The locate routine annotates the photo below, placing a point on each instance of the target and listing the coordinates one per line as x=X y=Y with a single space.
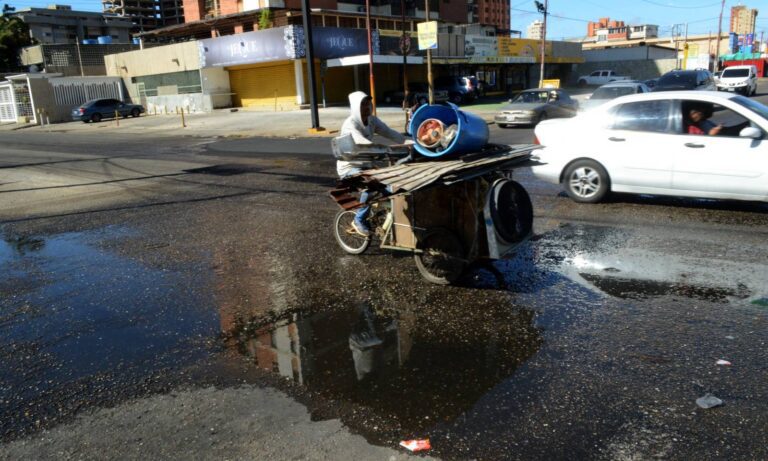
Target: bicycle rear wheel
x=346 y=236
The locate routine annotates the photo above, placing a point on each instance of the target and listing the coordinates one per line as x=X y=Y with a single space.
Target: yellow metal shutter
x=264 y=85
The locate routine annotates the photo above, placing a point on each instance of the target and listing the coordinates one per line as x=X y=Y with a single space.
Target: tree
x=14 y=34
x=265 y=19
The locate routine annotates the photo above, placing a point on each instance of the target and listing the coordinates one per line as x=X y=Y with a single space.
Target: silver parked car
x=532 y=106
x=612 y=91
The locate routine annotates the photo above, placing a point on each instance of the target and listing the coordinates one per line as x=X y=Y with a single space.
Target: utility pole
x=542 y=9
x=370 y=52
x=305 y=11
x=429 y=61
x=404 y=49
x=719 y=32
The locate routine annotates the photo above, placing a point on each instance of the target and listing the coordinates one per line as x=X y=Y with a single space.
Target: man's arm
x=382 y=129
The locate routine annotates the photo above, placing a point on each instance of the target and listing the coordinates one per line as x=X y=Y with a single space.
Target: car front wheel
x=96 y=118
x=586 y=181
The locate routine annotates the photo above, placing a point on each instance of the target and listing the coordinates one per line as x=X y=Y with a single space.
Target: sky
x=569 y=18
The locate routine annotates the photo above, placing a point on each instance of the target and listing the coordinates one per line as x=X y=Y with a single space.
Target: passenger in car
x=696 y=121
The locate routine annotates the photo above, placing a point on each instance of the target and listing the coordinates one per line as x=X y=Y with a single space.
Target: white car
x=640 y=144
x=739 y=79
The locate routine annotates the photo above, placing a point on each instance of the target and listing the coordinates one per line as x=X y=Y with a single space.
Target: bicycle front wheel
x=349 y=240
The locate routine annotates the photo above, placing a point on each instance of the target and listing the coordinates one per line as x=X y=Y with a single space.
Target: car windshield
x=678 y=79
x=754 y=106
x=612 y=92
x=531 y=96
x=727 y=73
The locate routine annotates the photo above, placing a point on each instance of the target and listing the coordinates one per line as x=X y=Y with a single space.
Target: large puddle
x=82 y=325
x=78 y=322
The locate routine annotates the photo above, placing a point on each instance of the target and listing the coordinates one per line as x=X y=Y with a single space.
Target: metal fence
x=70 y=93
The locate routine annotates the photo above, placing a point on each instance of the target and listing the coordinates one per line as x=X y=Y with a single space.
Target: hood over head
x=355 y=100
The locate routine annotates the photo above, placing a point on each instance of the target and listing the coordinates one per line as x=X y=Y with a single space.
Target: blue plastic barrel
x=472 y=133
x=104 y=40
x=89 y=41
x=136 y=41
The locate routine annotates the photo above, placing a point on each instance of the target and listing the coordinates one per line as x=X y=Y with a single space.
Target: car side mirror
x=751 y=132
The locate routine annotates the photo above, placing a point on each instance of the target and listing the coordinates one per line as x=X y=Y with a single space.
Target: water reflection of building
x=415 y=369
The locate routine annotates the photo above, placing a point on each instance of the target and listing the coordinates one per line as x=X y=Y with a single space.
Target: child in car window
x=697 y=121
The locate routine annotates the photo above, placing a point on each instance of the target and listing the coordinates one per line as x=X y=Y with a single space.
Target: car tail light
x=81 y=110
x=536 y=140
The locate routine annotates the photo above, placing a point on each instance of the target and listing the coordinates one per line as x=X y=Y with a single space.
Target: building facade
x=743 y=20
x=59 y=24
x=147 y=15
x=535 y=30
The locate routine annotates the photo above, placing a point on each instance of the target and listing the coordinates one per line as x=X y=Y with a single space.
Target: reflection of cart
x=447 y=213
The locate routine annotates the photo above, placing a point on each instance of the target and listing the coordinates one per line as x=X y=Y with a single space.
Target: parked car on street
x=530 y=107
x=97 y=109
x=418 y=92
x=600 y=77
x=651 y=82
x=739 y=79
x=642 y=144
x=612 y=91
x=677 y=80
x=459 y=89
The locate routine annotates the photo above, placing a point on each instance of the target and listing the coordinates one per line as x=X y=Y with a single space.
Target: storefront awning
x=377 y=59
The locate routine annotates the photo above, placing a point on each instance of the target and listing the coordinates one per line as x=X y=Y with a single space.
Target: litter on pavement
x=723 y=362
x=416 y=445
x=708 y=401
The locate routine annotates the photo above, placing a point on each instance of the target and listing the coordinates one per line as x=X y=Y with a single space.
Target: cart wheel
x=442 y=260
x=349 y=240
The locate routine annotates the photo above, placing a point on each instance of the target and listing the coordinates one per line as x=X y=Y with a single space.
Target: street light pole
x=719 y=32
x=305 y=11
x=542 y=9
x=370 y=52
x=429 y=61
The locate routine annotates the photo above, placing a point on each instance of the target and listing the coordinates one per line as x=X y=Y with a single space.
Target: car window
x=713 y=115
x=677 y=78
x=730 y=73
x=759 y=109
x=531 y=96
x=595 y=74
x=611 y=92
x=650 y=116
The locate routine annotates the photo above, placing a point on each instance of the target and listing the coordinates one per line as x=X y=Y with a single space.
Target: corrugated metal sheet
x=410 y=177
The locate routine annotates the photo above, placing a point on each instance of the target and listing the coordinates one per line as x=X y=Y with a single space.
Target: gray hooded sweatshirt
x=363 y=133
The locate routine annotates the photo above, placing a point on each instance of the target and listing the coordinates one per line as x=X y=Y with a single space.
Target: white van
x=742 y=79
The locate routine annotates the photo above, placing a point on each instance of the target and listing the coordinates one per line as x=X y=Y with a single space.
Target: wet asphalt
x=153 y=266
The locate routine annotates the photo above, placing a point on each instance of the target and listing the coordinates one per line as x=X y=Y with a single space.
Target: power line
x=681 y=7
x=552 y=14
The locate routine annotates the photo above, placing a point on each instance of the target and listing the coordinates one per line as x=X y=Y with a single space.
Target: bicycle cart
x=447 y=213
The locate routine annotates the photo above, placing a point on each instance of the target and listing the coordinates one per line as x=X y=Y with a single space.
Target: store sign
x=398 y=45
x=332 y=42
x=522 y=47
x=246 y=48
x=427 y=33
x=478 y=45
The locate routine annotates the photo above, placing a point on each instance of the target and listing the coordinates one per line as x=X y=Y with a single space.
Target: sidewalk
x=243 y=122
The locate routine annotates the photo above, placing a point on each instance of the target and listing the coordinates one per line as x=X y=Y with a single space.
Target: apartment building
x=61 y=24
x=743 y=20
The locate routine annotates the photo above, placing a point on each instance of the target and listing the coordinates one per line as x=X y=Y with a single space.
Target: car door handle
x=616 y=139
x=694 y=145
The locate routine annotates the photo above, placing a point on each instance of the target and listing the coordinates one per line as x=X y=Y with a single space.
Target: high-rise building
x=489 y=12
x=147 y=14
x=60 y=24
x=743 y=20
x=535 y=30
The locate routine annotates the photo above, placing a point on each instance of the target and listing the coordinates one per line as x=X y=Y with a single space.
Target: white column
x=299 y=73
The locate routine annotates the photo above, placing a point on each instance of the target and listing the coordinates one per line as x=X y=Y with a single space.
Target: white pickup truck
x=600 y=77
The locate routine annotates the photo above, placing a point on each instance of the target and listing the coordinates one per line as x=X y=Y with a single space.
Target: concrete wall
x=193 y=102
x=628 y=54
x=637 y=69
x=151 y=61
x=215 y=84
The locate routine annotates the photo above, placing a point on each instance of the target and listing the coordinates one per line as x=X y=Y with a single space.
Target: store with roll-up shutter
x=267 y=85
